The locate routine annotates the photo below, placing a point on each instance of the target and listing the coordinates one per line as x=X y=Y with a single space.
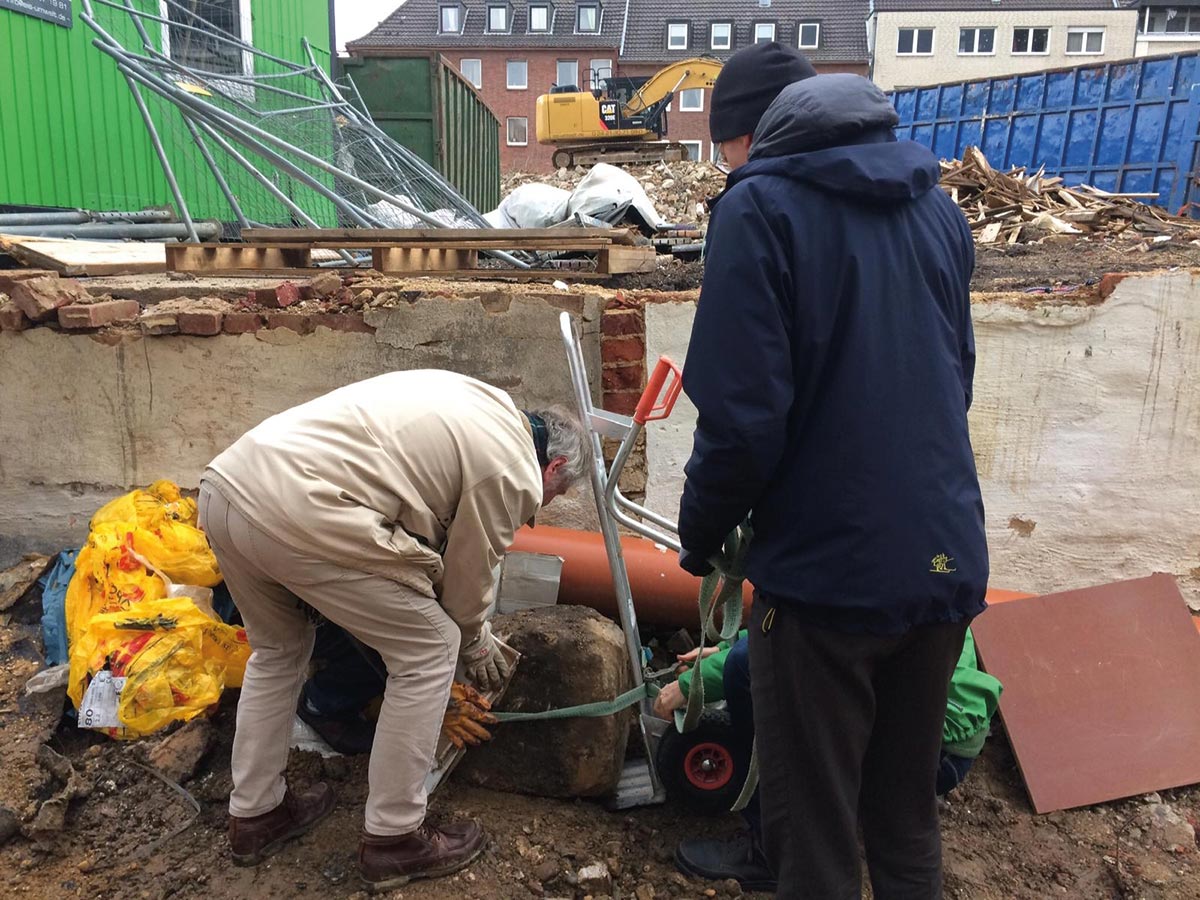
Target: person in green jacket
x=725 y=670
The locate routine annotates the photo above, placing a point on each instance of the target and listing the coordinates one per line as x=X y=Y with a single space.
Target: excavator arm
x=698 y=72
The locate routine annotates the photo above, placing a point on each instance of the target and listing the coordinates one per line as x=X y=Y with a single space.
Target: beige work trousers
x=417 y=640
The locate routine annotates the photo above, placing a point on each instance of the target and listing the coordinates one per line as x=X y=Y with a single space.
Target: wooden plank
x=226 y=257
x=405 y=260
x=353 y=237
x=69 y=256
x=624 y=260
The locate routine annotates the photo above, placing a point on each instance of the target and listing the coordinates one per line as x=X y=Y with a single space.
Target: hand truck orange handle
x=657 y=402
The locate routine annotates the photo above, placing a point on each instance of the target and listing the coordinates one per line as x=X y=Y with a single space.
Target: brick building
x=515 y=51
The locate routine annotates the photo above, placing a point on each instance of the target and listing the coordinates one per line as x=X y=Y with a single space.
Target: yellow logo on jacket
x=941 y=564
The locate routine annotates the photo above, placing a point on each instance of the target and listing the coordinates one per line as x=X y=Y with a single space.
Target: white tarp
x=606 y=192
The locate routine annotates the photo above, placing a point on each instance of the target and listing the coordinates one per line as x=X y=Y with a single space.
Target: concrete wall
x=945 y=64
x=82 y=420
x=1086 y=428
x=1162 y=44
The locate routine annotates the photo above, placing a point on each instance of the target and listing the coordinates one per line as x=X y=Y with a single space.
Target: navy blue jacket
x=831 y=364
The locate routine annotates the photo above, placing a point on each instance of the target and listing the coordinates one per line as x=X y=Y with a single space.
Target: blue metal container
x=1124 y=127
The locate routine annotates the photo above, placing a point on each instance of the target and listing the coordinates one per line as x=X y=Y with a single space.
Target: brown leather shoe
x=393 y=861
x=253 y=838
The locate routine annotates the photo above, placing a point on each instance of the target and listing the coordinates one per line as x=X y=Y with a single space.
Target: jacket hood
x=835 y=132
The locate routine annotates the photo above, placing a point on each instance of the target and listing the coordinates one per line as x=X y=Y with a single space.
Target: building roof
x=994 y=5
x=843 y=32
x=415 y=24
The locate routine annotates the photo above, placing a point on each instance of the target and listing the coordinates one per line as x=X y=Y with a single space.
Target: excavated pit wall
x=86 y=417
x=1085 y=424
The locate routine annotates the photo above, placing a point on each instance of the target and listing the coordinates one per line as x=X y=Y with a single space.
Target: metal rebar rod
x=45 y=218
x=230 y=197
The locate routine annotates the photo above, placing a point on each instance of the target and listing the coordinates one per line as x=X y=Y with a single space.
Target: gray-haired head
x=566 y=437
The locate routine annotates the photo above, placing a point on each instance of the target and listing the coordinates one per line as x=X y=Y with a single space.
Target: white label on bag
x=99 y=706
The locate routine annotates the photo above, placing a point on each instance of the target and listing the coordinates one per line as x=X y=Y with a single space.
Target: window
x=451 y=21
x=915 y=42
x=810 y=35
x=691 y=100
x=497 y=19
x=601 y=73
x=517 y=71
x=720 y=36
x=472 y=70
x=587 y=18
x=1031 y=41
x=976 y=41
x=1087 y=41
x=195 y=49
x=1169 y=20
x=764 y=32
x=518 y=131
x=677 y=36
x=567 y=72
x=539 y=19
x=694 y=149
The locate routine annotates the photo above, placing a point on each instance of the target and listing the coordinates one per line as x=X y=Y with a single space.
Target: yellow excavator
x=599 y=125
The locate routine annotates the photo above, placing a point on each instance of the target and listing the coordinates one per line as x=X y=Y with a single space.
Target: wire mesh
x=276 y=141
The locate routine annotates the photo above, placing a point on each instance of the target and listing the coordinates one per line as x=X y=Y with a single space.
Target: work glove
x=483 y=661
x=694 y=563
x=466 y=715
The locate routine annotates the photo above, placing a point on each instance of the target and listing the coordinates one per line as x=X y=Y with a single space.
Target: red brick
x=630 y=349
x=97 y=315
x=278 y=297
x=624 y=378
x=202 y=322
x=40 y=297
x=1109 y=283
x=11 y=317
x=9 y=277
x=621 y=323
x=346 y=321
x=242 y=322
x=621 y=402
x=300 y=324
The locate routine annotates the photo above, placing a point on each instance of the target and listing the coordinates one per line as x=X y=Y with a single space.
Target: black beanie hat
x=749 y=82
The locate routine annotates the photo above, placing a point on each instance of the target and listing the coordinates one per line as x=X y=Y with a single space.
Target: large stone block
x=569 y=655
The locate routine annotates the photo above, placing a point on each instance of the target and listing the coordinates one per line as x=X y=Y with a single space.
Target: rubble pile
x=1019 y=207
x=677 y=190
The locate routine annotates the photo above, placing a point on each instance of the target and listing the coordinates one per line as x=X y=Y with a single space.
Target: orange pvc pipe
x=663 y=593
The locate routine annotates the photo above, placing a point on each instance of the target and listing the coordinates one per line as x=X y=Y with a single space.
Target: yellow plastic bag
x=139 y=608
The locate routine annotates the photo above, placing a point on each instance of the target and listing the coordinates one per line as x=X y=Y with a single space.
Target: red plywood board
x=1099 y=694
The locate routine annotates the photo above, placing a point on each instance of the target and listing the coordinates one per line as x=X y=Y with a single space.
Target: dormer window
x=764 y=32
x=450 y=19
x=587 y=18
x=810 y=35
x=720 y=36
x=539 y=19
x=499 y=20
x=677 y=35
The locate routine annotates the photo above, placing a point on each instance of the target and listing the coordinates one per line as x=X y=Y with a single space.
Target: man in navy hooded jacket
x=831 y=364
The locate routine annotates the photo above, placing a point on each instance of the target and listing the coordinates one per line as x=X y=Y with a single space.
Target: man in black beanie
x=836 y=303
x=747 y=85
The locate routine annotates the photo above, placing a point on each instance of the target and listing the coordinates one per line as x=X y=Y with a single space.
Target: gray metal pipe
x=81 y=216
x=116 y=231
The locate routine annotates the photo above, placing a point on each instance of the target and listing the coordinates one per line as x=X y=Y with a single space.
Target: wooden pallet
x=409 y=251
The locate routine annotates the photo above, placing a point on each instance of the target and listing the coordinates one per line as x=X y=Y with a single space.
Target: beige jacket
x=422 y=477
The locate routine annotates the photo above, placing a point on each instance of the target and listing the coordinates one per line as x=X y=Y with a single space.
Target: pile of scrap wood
x=1019 y=207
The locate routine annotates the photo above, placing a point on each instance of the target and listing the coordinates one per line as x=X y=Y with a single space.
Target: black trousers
x=849 y=730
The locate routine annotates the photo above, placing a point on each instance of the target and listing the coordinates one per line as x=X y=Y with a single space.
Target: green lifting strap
x=595 y=710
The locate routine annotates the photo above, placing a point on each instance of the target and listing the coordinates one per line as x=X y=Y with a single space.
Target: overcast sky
x=354 y=18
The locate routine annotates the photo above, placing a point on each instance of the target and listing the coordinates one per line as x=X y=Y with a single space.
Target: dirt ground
x=129 y=834
x=1020 y=267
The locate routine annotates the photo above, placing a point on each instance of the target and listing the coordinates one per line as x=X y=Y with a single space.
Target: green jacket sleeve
x=712 y=670
x=972 y=701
